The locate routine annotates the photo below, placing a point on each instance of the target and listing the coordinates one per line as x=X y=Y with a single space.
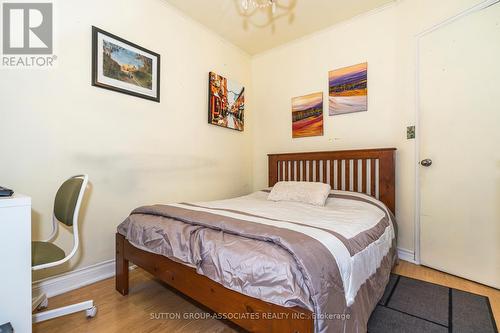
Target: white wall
x=54 y=124
x=385 y=39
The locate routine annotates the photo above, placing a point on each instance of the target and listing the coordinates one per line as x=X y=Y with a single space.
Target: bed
x=278 y=266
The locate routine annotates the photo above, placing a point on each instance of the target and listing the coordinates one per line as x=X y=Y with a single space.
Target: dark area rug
x=410 y=305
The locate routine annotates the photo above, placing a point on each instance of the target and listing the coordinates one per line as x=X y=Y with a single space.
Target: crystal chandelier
x=259 y=4
x=255 y=13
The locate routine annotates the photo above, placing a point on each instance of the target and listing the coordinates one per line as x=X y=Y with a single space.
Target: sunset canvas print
x=307 y=115
x=348 y=90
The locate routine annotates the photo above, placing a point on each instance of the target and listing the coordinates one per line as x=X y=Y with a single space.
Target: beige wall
x=54 y=124
x=385 y=39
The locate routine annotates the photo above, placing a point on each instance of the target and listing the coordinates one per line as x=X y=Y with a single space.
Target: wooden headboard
x=370 y=171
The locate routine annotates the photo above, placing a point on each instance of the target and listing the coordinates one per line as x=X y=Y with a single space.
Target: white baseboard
x=406 y=255
x=59 y=284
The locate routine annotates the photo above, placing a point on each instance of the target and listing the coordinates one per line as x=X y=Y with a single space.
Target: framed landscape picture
x=307 y=115
x=348 y=89
x=125 y=67
x=226 y=102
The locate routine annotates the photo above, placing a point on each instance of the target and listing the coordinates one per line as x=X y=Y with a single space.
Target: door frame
x=478 y=7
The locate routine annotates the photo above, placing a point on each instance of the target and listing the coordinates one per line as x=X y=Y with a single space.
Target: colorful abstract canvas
x=226 y=103
x=348 y=89
x=307 y=115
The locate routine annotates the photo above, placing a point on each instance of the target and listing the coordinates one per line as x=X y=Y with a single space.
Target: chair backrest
x=66 y=200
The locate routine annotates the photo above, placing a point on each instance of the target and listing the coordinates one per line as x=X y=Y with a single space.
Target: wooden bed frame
x=371 y=171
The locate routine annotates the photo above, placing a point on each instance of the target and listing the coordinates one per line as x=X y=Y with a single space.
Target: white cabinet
x=15 y=262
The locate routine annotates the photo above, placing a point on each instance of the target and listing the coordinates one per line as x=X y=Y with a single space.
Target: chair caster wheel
x=91 y=312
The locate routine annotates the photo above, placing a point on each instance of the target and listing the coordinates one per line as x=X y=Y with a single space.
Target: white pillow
x=306 y=192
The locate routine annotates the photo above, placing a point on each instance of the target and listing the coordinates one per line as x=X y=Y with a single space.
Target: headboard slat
x=332 y=175
x=347 y=174
x=363 y=175
x=372 y=177
x=339 y=174
x=321 y=167
x=355 y=187
x=316 y=173
x=310 y=167
x=324 y=177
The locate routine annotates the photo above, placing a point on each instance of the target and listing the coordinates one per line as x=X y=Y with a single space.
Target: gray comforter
x=284 y=253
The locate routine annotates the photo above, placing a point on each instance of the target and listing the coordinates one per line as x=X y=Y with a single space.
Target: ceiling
x=261 y=30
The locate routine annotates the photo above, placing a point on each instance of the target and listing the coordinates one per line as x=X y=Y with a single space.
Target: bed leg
x=121 y=266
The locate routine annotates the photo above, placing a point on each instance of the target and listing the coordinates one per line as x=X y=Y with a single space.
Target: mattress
x=334 y=260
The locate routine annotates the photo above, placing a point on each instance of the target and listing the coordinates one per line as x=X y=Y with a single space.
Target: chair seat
x=45 y=252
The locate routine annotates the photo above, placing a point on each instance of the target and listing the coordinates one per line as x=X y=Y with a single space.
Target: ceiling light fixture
x=259 y=4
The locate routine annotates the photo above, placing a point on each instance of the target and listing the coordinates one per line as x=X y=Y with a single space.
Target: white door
x=460 y=134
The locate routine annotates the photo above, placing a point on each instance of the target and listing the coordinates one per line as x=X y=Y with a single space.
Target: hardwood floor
x=153 y=307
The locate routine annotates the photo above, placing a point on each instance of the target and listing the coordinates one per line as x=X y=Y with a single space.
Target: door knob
x=426 y=162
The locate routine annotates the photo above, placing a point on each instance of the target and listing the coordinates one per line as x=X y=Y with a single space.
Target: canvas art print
x=307 y=115
x=226 y=103
x=348 y=90
x=124 y=67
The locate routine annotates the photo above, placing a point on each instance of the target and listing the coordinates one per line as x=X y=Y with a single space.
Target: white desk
x=15 y=262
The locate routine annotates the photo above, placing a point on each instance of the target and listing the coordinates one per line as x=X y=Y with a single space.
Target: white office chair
x=45 y=254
